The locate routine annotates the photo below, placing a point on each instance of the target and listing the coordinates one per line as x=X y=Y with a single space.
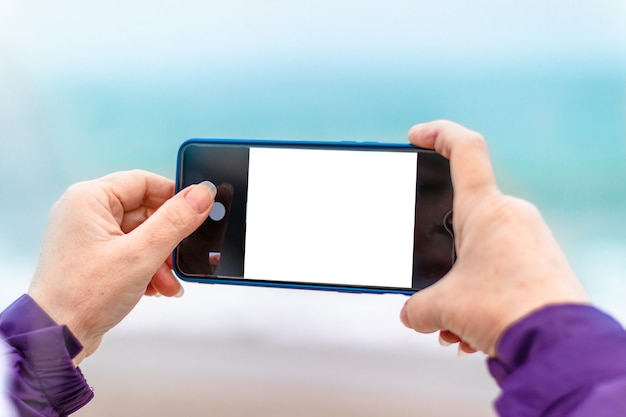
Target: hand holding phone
x=339 y=216
x=509 y=262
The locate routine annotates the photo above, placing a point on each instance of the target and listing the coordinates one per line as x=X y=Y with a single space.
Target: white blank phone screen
x=331 y=216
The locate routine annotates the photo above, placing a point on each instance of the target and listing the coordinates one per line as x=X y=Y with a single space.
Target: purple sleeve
x=43 y=381
x=563 y=360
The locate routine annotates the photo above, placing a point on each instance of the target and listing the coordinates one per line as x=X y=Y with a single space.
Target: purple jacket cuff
x=548 y=363
x=44 y=380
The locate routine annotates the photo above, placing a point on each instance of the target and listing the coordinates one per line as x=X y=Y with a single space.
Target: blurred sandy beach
x=88 y=88
x=253 y=371
x=160 y=376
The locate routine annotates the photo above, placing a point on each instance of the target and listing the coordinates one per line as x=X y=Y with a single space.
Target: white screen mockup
x=331 y=216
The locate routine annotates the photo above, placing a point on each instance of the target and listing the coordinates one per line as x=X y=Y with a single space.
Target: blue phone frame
x=291 y=144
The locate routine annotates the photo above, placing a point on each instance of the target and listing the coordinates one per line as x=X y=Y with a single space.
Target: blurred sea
x=557 y=135
x=87 y=88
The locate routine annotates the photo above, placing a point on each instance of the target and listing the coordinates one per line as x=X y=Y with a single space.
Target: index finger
x=137 y=188
x=470 y=166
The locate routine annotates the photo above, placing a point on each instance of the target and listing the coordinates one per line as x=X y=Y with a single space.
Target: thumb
x=176 y=219
x=422 y=311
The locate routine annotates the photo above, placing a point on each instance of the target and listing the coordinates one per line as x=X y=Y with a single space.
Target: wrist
x=544 y=328
x=553 y=358
x=72 y=319
x=25 y=316
x=43 y=353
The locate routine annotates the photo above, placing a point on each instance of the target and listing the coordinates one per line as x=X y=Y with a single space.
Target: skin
x=509 y=263
x=108 y=242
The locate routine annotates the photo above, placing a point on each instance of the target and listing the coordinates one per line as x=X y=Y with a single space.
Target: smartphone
x=343 y=216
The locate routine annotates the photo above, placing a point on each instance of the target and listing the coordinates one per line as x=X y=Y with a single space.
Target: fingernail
x=210 y=186
x=443 y=342
x=180 y=292
x=198 y=198
x=461 y=353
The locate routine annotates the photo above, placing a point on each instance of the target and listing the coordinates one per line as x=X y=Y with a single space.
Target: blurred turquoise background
x=91 y=87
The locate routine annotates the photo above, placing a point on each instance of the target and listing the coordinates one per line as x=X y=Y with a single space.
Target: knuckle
x=526 y=207
x=76 y=190
x=476 y=139
x=525 y=210
x=75 y=195
x=530 y=211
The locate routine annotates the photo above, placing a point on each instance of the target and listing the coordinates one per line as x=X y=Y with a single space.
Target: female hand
x=108 y=242
x=508 y=264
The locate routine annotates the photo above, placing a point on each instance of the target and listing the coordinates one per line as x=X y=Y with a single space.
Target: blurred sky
x=100 y=38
